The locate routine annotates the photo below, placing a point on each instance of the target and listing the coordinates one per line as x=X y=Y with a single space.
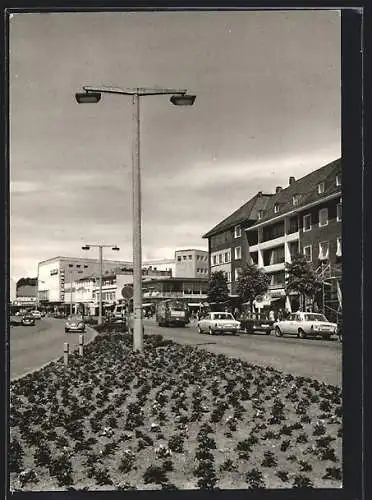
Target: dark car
x=255 y=322
x=28 y=320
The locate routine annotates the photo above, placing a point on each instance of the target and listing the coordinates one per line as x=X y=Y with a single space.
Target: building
x=191 y=263
x=26 y=292
x=304 y=217
x=54 y=272
x=227 y=241
x=192 y=291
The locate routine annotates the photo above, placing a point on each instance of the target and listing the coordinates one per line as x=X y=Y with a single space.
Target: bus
x=172 y=312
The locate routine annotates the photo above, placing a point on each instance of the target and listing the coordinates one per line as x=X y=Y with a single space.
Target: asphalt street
x=31 y=347
x=319 y=359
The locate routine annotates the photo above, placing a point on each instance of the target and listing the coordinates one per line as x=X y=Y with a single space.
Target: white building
x=191 y=263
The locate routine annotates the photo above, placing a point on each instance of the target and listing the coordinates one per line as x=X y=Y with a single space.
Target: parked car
x=75 y=323
x=304 y=324
x=254 y=322
x=36 y=314
x=218 y=322
x=28 y=320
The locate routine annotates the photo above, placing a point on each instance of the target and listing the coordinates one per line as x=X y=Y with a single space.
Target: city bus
x=172 y=312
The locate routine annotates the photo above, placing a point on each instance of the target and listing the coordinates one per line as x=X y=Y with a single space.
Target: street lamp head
x=116 y=248
x=183 y=100
x=85 y=247
x=88 y=97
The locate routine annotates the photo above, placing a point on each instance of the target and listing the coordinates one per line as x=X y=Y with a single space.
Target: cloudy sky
x=268 y=106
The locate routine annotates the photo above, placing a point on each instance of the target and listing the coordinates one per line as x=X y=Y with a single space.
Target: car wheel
x=268 y=332
x=326 y=337
x=210 y=331
x=200 y=330
x=278 y=332
x=66 y=330
x=301 y=334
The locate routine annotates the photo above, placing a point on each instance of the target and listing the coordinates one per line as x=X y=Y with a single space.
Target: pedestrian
x=271 y=315
x=280 y=315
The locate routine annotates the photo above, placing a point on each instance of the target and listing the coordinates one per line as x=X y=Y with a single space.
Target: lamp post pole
x=100 y=260
x=178 y=98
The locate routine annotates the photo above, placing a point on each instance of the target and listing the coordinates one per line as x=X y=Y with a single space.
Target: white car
x=218 y=322
x=36 y=314
x=306 y=324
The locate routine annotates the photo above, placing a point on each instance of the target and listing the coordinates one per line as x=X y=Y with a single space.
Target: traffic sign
x=127 y=292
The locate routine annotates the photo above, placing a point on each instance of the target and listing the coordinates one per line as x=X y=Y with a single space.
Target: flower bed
x=173 y=417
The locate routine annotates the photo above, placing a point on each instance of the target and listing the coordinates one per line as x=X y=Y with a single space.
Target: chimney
x=278 y=189
x=291 y=180
x=259 y=194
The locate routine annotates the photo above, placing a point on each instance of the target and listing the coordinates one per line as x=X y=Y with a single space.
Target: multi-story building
x=227 y=241
x=305 y=217
x=191 y=263
x=192 y=291
x=54 y=272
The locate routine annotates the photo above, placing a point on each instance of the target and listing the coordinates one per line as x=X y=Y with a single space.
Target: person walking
x=271 y=315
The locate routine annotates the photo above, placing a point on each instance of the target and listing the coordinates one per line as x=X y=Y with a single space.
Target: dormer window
x=338 y=180
x=321 y=188
x=237 y=231
x=296 y=199
x=276 y=208
x=260 y=214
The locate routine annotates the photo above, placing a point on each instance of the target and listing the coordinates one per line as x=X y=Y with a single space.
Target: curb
x=18 y=377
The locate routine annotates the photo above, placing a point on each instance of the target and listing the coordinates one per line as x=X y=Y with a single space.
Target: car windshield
x=223 y=316
x=315 y=317
x=75 y=318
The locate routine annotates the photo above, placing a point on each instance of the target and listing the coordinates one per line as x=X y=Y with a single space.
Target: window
x=179 y=258
x=339 y=212
x=276 y=208
x=237 y=273
x=85 y=266
x=227 y=257
x=338 y=180
x=260 y=214
x=237 y=231
x=190 y=257
x=214 y=260
x=229 y=276
x=220 y=258
x=71 y=265
x=308 y=253
x=238 y=252
x=307 y=222
x=323 y=217
x=323 y=250
x=321 y=188
x=339 y=247
x=184 y=257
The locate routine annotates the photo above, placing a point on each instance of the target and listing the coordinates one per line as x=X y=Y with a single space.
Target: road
x=319 y=359
x=33 y=346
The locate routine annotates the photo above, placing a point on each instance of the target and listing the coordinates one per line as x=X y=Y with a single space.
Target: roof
x=248 y=211
x=306 y=188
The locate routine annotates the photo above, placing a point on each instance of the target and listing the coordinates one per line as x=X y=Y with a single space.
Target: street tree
x=218 y=290
x=251 y=283
x=302 y=279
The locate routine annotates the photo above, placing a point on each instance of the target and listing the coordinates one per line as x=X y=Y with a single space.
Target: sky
x=268 y=107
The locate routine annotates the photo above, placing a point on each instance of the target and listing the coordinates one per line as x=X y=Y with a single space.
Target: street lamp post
x=100 y=247
x=178 y=98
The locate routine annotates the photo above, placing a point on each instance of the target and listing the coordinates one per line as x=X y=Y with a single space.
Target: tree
x=302 y=278
x=218 y=290
x=251 y=282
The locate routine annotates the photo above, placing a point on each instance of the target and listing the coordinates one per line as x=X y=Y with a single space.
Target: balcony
x=287 y=238
x=273 y=268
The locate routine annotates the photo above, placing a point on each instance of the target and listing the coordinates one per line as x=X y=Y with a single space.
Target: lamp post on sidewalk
x=100 y=247
x=178 y=98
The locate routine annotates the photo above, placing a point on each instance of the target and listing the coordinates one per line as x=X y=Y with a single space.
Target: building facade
x=191 y=263
x=303 y=218
x=227 y=242
x=26 y=292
